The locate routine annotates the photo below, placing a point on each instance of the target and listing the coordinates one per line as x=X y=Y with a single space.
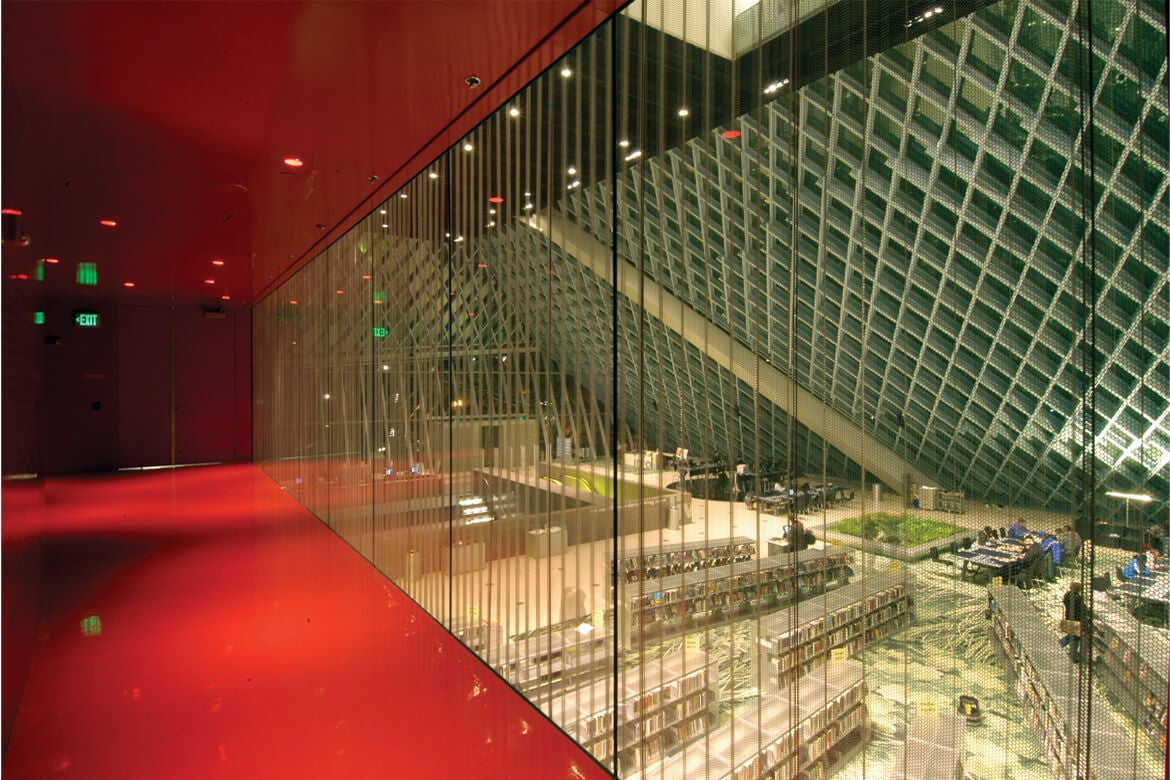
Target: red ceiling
x=173 y=118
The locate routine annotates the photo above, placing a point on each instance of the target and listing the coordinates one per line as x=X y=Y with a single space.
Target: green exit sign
x=381 y=333
x=87 y=319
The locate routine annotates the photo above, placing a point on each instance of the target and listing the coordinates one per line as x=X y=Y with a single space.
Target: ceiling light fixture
x=495 y=199
x=572 y=171
x=209 y=281
x=623 y=143
x=634 y=155
x=217 y=261
x=294 y=162
x=382 y=211
x=566 y=72
x=731 y=135
x=684 y=112
x=50 y=260
x=128 y=284
x=225 y=297
x=402 y=195
x=108 y=223
x=467 y=147
x=293 y=302
x=513 y=112
x=433 y=175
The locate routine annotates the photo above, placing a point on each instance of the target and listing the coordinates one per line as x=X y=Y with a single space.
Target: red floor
x=199 y=623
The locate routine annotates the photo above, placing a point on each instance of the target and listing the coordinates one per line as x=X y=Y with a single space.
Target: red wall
x=151 y=386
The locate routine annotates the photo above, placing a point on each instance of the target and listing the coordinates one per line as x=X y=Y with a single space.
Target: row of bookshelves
x=656 y=709
x=557 y=657
x=682 y=557
x=728 y=590
x=805 y=732
x=1133 y=658
x=793 y=644
x=1058 y=700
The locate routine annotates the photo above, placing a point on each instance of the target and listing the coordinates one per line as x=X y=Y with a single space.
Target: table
x=998 y=561
x=542 y=543
x=463 y=557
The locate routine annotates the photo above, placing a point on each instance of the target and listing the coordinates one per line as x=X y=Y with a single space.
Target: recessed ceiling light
x=128 y=284
x=50 y=260
x=491 y=211
x=293 y=302
x=458 y=239
x=623 y=143
x=566 y=72
x=491 y=224
x=385 y=225
x=217 y=261
x=513 y=112
x=402 y=195
x=366 y=276
x=209 y=281
x=433 y=175
x=108 y=222
x=731 y=134
x=467 y=147
x=528 y=194
x=341 y=292
x=528 y=207
x=225 y=297
x=684 y=111
x=572 y=171
x=495 y=199
x=382 y=211
x=293 y=162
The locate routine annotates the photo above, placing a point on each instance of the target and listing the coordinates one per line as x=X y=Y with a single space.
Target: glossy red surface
x=200 y=623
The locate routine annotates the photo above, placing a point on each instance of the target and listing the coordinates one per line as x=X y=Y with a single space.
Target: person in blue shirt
x=1053 y=551
x=1018 y=531
x=1136 y=567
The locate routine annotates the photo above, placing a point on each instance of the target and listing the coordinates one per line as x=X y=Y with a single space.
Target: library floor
x=199 y=623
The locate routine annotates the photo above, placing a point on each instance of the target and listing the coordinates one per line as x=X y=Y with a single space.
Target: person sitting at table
x=1152 y=558
x=985 y=535
x=1070 y=542
x=1052 y=554
x=1018 y=531
x=1136 y=567
x=1030 y=566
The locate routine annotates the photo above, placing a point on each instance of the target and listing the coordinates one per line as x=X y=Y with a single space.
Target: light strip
x=1143 y=497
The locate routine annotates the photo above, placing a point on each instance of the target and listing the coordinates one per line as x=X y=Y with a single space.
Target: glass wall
x=753 y=389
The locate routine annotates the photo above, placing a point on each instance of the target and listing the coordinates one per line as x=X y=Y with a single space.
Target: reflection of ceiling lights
x=634 y=155
x=929 y=13
x=775 y=86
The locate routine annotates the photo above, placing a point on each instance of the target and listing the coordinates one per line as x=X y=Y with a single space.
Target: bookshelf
x=683 y=557
x=795 y=641
x=807 y=731
x=660 y=708
x=934 y=748
x=1057 y=698
x=723 y=592
x=555 y=657
x=1132 y=662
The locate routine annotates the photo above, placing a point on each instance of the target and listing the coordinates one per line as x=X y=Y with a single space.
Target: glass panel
x=696 y=389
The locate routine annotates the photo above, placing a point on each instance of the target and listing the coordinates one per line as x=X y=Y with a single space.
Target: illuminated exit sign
x=381 y=333
x=87 y=319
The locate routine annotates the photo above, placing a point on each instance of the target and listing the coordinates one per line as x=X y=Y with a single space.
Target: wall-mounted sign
x=381 y=333
x=87 y=319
